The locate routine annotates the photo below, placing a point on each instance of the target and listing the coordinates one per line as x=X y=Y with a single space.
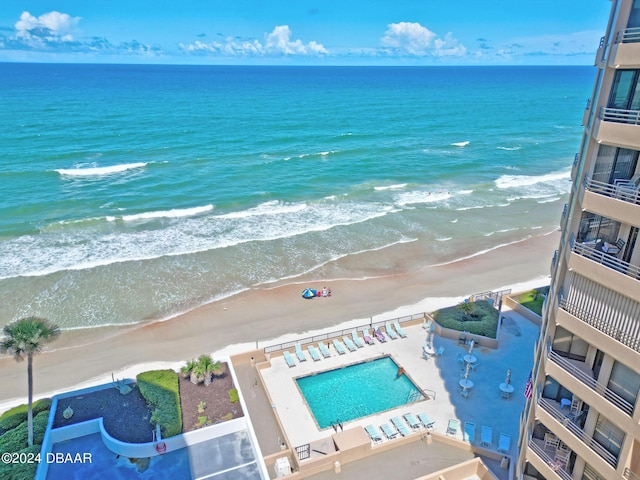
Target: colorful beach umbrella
x=309 y=293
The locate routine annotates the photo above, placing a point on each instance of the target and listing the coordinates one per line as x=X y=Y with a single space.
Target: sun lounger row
x=411 y=423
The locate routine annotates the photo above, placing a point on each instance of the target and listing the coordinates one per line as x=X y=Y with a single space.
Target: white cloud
x=48 y=28
x=407 y=38
x=276 y=43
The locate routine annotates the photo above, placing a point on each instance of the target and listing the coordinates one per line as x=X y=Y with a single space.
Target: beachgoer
x=324 y=291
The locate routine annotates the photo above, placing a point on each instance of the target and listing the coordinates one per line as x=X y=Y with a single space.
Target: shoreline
x=257 y=317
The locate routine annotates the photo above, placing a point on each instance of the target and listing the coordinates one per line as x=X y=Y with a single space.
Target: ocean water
x=133 y=193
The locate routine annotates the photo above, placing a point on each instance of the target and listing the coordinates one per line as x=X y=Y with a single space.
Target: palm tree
x=26 y=337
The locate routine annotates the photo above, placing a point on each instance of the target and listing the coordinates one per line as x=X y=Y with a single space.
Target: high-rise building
x=582 y=420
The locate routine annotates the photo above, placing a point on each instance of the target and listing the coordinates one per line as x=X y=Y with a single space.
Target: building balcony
x=575 y=437
x=625 y=53
x=544 y=462
x=619 y=201
x=604 y=268
x=563 y=218
x=574 y=167
x=619 y=340
x=581 y=382
x=618 y=127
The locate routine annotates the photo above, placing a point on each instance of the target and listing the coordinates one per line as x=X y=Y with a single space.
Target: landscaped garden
x=478 y=318
x=533 y=299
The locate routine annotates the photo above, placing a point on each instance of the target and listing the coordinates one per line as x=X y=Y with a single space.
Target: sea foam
x=97 y=171
x=515 y=181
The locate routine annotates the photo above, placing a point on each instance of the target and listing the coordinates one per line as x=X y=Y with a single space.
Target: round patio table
x=470 y=358
x=466 y=383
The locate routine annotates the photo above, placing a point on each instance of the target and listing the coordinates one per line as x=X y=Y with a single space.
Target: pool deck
x=440 y=374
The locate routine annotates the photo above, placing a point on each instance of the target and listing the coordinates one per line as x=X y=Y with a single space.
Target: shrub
x=485 y=319
x=20 y=471
x=233 y=395
x=15 y=439
x=14 y=417
x=160 y=388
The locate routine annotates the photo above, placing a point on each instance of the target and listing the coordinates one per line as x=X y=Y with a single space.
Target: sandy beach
x=260 y=316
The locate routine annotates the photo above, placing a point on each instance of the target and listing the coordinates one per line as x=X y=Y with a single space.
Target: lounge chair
x=339 y=347
x=470 y=432
x=388 y=431
x=399 y=329
x=392 y=335
x=453 y=426
x=356 y=339
x=440 y=351
x=373 y=433
x=504 y=443
x=313 y=351
x=425 y=420
x=487 y=436
x=413 y=422
x=300 y=353
x=324 y=350
x=366 y=337
x=350 y=345
x=400 y=426
x=289 y=359
x=379 y=335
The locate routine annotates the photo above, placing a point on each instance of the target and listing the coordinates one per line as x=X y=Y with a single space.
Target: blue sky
x=304 y=32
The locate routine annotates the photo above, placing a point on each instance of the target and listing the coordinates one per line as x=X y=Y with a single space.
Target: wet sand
x=259 y=316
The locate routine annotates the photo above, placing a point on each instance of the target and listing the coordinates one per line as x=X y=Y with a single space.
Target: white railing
x=619 y=192
x=538 y=450
x=575 y=372
x=602 y=452
x=629 y=475
x=628 y=35
x=620 y=115
x=605 y=259
x=631 y=340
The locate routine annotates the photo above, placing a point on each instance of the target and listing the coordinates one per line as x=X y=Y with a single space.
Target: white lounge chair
x=399 y=329
x=324 y=350
x=504 y=443
x=470 y=432
x=388 y=431
x=413 y=422
x=339 y=347
x=289 y=359
x=366 y=337
x=350 y=345
x=425 y=420
x=392 y=335
x=356 y=339
x=486 y=436
x=300 y=353
x=373 y=433
x=453 y=426
x=314 y=353
x=400 y=426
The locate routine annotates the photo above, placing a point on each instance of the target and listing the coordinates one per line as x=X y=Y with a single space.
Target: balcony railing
x=602 y=452
x=605 y=259
x=610 y=395
x=619 y=192
x=539 y=451
x=631 y=340
x=629 y=475
x=620 y=115
x=629 y=35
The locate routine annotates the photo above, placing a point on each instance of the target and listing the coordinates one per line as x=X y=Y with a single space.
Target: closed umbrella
x=508 y=380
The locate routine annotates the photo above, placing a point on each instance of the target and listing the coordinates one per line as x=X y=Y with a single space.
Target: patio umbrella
x=471 y=346
x=508 y=380
x=309 y=293
x=466 y=372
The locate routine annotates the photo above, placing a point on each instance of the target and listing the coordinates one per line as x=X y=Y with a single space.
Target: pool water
x=106 y=464
x=356 y=391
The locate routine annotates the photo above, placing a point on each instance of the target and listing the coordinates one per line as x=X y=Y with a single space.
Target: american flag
x=528 y=388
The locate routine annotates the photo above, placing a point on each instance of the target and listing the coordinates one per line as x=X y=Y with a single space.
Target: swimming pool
x=106 y=464
x=356 y=391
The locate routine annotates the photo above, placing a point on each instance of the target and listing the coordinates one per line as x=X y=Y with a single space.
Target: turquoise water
x=106 y=464
x=133 y=193
x=355 y=391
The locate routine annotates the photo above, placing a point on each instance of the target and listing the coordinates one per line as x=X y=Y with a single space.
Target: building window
x=614 y=163
x=568 y=345
x=625 y=382
x=608 y=436
x=554 y=390
x=597 y=227
x=625 y=93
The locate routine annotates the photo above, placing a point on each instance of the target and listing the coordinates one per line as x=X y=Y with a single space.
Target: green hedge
x=14 y=417
x=161 y=390
x=16 y=439
x=20 y=471
x=486 y=323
